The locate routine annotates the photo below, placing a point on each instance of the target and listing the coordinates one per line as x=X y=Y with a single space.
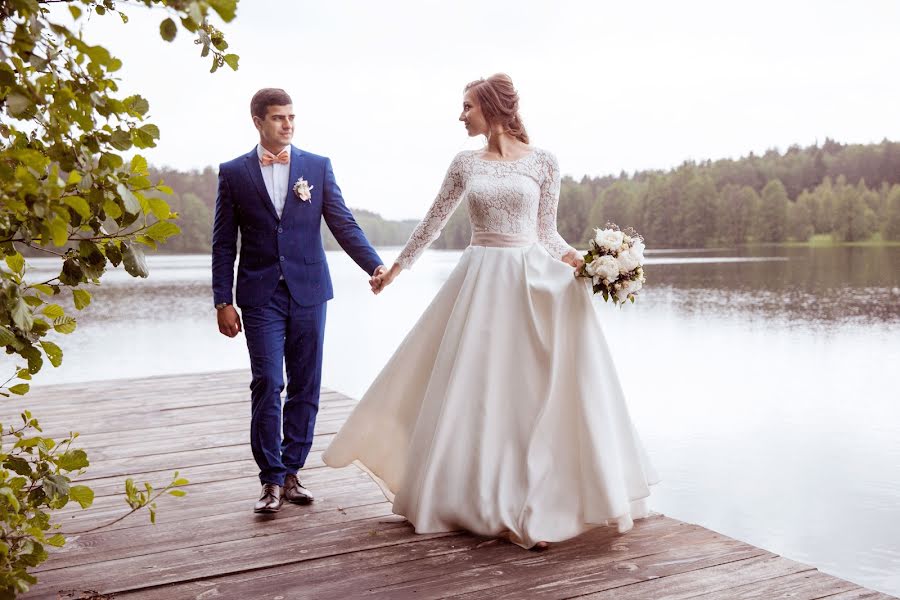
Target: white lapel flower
x=303 y=190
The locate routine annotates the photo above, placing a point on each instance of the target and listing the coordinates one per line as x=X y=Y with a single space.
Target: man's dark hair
x=267 y=97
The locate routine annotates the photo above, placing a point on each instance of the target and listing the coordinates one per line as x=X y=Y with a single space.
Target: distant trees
x=847 y=191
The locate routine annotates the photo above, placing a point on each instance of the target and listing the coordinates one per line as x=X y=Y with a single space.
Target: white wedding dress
x=501 y=411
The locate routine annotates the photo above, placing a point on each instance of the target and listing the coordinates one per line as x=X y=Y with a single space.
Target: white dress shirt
x=276 y=178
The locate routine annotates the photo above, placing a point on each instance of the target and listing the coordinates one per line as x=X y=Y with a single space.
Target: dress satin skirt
x=501 y=411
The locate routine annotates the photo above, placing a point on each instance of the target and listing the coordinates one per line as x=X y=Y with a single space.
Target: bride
x=501 y=412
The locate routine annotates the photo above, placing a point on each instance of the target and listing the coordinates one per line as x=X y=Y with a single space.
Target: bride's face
x=472 y=116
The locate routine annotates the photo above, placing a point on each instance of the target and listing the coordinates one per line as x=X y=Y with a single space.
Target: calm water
x=765 y=384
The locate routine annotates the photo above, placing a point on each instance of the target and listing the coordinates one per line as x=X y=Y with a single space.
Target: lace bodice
x=509 y=197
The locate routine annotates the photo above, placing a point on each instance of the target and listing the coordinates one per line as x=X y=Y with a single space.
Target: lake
x=765 y=382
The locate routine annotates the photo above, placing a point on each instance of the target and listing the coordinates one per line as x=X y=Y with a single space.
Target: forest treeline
x=848 y=191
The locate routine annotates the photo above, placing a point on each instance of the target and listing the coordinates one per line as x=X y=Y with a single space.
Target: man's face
x=277 y=128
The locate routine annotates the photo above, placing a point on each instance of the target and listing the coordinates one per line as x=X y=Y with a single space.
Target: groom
x=276 y=196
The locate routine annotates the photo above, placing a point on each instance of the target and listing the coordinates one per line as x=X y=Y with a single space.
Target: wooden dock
x=348 y=544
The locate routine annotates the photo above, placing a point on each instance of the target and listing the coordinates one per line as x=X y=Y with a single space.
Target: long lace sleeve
x=430 y=228
x=546 y=221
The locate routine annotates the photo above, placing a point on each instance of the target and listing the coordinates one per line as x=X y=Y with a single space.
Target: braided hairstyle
x=499 y=103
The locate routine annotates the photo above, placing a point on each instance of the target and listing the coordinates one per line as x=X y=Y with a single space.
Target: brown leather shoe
x=270 y=499
x=295 y=492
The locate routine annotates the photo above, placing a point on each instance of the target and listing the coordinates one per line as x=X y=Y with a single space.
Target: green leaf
x=179 y=482
x=33 y=356
x=82 y=494
x=76 y=12
x=43 y=288
x=134 y=260
x=28 y=442
x=18 y=465
x=10 y=495
x=232 y=61
x=159 y=208
x=54 y=352
x=112 y=209
x=79 y=205
x=54 y=311
x=139 y=165
x=16 y=263
x=113 y=253
x=151 y=130
x=6 y=336
x=58 y=540
x=73 y=460
x=56 y=486
x=65 y=325
x=74 y=178
x=120 y=140
x=19 y=106
x=178 y=493
x=21 y=315
x=162 y=230
x=71 y=274
x=59 y=229
x=132 y=204
x=225 y=8
x=137 y=104
x=168 y=29
x=82 y=298
x=20 y=389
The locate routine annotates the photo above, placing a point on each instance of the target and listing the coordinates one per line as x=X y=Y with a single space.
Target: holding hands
x=382 y=277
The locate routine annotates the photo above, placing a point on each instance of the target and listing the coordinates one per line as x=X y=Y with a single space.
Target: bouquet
x=614 y=263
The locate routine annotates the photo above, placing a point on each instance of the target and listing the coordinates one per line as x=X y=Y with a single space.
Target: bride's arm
x=430 y=228
x=546 y=226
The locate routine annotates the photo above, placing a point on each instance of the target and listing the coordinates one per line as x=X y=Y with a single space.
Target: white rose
x=637 y=250
x=628 y=262
x=604 y=267
x=609 y=239
x=633 y=257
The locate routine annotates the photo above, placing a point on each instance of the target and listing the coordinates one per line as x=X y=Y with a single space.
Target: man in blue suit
x=276 y=196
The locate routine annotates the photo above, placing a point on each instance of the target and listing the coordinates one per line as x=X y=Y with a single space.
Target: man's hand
x=573 y=258
x=229 y=321
x=375 y=280
x=384 y=278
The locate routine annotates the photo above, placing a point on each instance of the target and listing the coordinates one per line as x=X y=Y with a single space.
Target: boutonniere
x=303 y=190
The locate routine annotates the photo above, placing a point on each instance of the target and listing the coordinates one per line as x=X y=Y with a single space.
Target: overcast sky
x=377 y=86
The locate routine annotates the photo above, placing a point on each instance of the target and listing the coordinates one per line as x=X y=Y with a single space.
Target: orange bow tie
x=268 y=158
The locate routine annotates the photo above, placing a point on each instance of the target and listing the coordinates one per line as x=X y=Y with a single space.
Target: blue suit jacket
x=290 y=246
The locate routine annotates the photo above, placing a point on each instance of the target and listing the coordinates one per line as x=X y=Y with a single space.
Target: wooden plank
x=232 y=523
x=337 y=495
x=719 y=579
x=233 y=556
x=471 y=562
x=806 y=585
x=348 y=544
x=294 y=580
x=583 y=565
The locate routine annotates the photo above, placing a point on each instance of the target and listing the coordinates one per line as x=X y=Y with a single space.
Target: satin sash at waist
x=495 y=239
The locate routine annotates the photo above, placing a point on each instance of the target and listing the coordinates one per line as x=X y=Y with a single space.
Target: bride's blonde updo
x=499 y=104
